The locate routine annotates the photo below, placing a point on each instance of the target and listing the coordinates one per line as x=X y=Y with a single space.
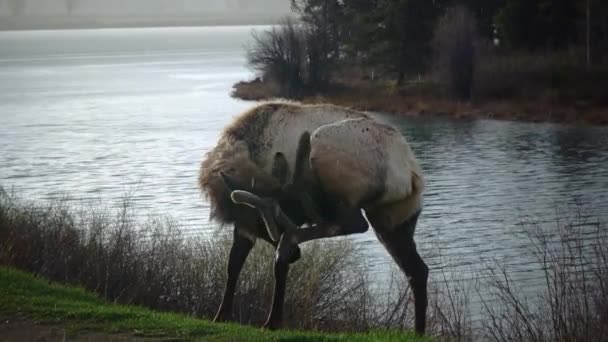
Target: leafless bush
x=454 y=45
x=152 y=263
x=449 y=308
x=293 y=55
x=449 y=316
x=279 y=55
x=573 y=259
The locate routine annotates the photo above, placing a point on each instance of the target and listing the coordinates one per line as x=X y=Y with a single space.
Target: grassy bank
x=27 y=302
x=518 y=86
x=112 y=256
x=153 y=263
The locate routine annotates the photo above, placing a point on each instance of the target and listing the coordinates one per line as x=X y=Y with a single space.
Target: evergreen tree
x=400 y=32
x=534 y=24
x=323 y=22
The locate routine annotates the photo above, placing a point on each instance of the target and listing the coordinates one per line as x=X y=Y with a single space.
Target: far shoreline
x=375 y=99
x=9 y=24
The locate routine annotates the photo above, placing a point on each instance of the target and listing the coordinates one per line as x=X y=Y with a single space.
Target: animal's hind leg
x=241 y=246
x=399 y=242
x=351 y=223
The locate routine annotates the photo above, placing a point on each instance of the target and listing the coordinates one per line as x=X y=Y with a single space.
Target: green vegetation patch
x=23 y=295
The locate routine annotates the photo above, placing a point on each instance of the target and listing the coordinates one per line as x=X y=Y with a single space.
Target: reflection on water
x=97 y=114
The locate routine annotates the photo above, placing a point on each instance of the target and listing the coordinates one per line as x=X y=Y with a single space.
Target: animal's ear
x=249 y=177
x=302 y=157
x=280 y=168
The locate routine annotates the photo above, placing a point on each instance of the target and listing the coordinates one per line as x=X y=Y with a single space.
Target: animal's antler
x=272 y=215
x=302 y=177
x=269 y=208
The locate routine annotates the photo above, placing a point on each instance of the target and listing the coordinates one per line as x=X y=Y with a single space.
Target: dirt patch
x=18 y=330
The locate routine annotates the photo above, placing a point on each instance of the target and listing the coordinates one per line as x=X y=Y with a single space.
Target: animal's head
x=248 y=177
x=263 y=191
x=245 y=175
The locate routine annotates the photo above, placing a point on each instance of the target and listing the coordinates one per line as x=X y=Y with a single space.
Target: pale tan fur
x=286 y=127
x=353 y=155
x=357 y=158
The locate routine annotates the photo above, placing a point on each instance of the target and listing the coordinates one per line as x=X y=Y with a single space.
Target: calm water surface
x=100 y=114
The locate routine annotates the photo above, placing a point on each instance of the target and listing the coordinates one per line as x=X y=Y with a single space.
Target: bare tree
x=321 y=19
x=588 y=31
x=454 y=45
x=279 y=55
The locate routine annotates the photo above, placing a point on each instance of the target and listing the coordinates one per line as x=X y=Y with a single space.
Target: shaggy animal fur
x=247 y=147
x=354 y=162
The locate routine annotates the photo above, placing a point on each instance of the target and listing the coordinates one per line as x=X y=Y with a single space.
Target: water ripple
x=136 y=128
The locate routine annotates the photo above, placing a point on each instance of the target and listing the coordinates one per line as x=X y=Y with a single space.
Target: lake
x=97 y=115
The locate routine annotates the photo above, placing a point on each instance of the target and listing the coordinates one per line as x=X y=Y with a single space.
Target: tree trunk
x=588 y=34
x=400 y=77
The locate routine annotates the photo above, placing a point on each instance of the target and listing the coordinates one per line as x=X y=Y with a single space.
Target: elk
x=279 y=166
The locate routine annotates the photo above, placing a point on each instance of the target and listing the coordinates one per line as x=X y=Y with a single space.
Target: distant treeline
x=92 y=7
x=404 y=39
x=62 y=14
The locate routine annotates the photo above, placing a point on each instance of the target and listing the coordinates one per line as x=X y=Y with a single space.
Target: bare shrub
x=152 y=263
x=454 y=45
x=572 y=256
x=279 y=55
x=449 y=315
x=296 y=56
x=449 y=308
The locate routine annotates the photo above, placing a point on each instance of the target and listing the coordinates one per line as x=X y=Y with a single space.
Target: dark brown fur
x=235 y=154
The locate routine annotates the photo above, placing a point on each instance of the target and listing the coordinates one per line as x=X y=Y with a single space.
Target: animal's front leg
x=241 y=246
x=281 y=270
x=351 y=222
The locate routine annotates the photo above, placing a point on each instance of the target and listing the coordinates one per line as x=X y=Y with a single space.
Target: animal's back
x=356 y=158
x=367 y=164
x=247 y=147
x=288 y=122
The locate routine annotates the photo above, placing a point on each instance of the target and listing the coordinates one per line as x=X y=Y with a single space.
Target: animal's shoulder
x=357 y=128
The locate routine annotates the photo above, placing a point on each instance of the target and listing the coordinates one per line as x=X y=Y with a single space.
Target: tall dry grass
x=152 y=263
x=556 y=77
x=572 y=304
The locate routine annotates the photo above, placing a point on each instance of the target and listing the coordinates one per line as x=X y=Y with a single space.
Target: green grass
x=27 y=296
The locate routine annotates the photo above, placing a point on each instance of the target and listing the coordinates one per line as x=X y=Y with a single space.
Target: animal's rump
x=364 y=162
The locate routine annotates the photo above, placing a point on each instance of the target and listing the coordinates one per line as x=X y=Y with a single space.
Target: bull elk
x=320 y=165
